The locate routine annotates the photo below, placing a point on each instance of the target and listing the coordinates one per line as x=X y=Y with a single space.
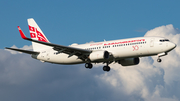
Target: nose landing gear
x=160 y=55
x=159 y=60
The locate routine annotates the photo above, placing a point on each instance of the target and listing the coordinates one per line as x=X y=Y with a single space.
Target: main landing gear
x=88 y=65
x=105 y=68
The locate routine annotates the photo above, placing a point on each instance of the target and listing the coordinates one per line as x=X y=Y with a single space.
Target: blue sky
x=79 y=21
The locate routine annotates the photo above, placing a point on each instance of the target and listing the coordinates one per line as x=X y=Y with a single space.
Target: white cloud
x=27 y=47
x=23 y=78
x=151 y=80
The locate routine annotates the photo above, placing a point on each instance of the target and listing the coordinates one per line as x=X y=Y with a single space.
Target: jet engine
x=129 y=61
x=99 y=55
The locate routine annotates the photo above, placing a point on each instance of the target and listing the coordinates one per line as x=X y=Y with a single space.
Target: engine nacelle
x=129 y=61
x=99 y=55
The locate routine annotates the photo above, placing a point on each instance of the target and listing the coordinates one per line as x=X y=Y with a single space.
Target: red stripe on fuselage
x=115 y=43
x=122 y=42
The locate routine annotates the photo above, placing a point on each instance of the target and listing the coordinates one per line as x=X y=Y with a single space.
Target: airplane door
x=152 y=43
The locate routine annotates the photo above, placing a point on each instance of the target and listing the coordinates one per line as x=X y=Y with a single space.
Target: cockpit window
x=163 y=40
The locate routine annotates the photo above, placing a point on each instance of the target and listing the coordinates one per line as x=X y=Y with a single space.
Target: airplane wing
x=81 y=53
x=24 y=51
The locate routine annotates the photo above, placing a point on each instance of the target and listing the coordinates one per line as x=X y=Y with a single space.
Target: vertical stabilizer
x=37 y=34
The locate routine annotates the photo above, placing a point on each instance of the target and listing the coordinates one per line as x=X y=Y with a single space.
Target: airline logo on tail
x=37 y=34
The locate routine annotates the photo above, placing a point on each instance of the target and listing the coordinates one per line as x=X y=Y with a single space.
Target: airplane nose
x=173 y=45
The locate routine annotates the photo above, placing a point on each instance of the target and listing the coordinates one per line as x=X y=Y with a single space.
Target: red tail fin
x=35 y=31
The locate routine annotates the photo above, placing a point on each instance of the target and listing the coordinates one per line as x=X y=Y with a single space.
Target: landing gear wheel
x=106 y=68
x=159 y=60
x=88 y=65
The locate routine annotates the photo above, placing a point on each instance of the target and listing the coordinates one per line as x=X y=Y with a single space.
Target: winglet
x=22 y=34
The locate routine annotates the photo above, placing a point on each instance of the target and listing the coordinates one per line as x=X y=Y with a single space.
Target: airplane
x=126 y=52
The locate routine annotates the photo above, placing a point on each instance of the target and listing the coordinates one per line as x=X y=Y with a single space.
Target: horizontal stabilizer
x=24 y=51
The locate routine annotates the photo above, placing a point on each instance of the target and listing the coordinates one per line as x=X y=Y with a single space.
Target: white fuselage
x=118 y=49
